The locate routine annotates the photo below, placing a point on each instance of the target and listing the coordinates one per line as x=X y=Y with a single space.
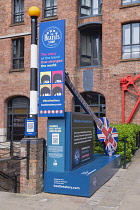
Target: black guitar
x=107 y=132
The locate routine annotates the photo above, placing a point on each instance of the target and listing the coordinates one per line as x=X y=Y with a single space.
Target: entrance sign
x=51 y=68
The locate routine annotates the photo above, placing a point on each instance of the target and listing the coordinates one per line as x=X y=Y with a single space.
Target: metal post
x=124 y=165
x=28 y=158
x=15 y=184
x=11 y=147
x=34 y=13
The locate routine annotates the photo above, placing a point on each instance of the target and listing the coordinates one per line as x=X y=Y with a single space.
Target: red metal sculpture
x=125 y=83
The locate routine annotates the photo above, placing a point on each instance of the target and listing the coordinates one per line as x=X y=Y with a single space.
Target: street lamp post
x=34 y=13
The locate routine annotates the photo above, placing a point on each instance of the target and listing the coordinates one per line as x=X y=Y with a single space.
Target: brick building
x=102 y=46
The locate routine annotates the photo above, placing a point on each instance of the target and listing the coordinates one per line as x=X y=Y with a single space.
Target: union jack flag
x=108 y=135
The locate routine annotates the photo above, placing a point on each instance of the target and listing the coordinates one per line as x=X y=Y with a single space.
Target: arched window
x=96 y=101
x=18 y=110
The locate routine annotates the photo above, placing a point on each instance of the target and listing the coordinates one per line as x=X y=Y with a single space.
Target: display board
x=69 y=142
x=56 y=144
x=51 y=68
x=82 y=139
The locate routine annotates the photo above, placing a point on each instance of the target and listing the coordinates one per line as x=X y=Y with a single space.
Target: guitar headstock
x=67 y=79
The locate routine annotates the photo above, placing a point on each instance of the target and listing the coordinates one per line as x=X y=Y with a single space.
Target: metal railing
x=13 y=179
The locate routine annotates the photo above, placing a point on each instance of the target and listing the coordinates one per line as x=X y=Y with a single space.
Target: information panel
x=30 y=127
x=56 y=144
x=51 y=68
x=82 y=139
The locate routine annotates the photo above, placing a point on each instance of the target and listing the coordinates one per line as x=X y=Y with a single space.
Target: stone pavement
x=121 y=192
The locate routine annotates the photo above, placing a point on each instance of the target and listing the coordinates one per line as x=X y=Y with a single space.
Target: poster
x=51 y=68
x=56 y=144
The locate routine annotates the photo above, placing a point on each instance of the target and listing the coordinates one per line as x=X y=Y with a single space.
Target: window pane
x=50 y=8
x=125 y=2
x=102 y=99
x=22 y=6
x=135 y=1
x=100 y=6
x=48 y=3
x=95 y=7
x=126 y=52
x=18 y=11
x=91 y=7
x=15 y=64
x=126 y=34
x=91 y=98
x=21 y=48
x=86 y=3
x=18 y=53
x=85 y=11
x=94 y=108
x=93 y=101
x=96 y=51
x=91 y=46
x=15 y=48
x=86 y=50
x=21 y=63
x=77 y=109
x=16 y=6
x=135 y=33
x=85 y=7
x=136 y=51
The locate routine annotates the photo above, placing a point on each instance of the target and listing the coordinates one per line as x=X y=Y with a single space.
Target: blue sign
x=83 y=181
x=51 y=68
x=30 y=127
x=56 y=144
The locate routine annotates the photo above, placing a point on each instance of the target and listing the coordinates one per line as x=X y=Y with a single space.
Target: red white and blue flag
x=108 y=135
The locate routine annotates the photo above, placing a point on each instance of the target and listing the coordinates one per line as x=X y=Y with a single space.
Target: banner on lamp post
x=51 y=68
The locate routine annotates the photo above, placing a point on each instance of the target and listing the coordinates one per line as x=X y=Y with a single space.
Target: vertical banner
x=51 y=68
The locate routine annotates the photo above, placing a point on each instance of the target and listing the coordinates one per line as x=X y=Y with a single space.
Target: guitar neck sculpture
x=105 y=133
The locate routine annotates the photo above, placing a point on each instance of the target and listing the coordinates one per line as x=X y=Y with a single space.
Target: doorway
x=18 y=110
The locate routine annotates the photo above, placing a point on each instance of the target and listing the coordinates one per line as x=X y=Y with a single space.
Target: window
x=50 y=8
x=91 y=7
x=131 y=41
x=91 y=39
x=18 y=53
x=126 y=2
x=18 y=110
x=96 y=101
x=18 y=11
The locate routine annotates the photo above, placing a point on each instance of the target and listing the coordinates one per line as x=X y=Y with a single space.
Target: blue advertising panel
x=30 y=127
x=56 y=144
x=85 y=180
x=51 y=68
